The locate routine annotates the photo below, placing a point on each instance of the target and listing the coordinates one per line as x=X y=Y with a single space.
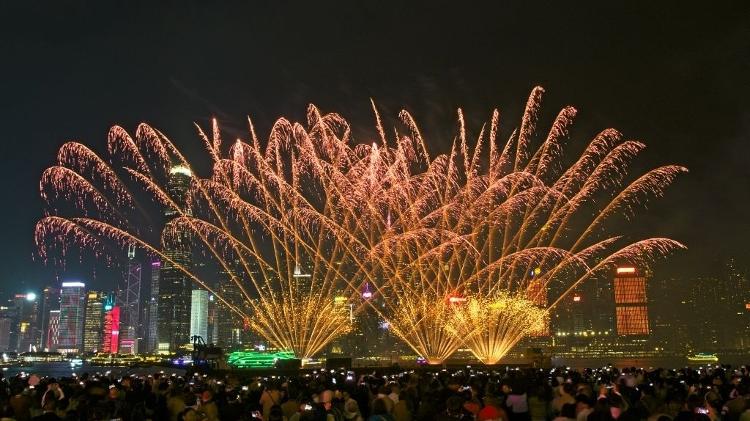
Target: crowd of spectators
x=507 y=394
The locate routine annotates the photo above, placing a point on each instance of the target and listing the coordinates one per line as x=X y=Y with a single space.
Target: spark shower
x=474 y=246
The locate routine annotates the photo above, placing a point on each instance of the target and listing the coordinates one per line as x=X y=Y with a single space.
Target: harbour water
x=64 y=369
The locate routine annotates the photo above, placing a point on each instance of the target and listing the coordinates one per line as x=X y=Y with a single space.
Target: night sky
x=673 y=75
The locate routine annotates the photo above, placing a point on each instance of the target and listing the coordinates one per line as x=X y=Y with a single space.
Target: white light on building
x=199 y=314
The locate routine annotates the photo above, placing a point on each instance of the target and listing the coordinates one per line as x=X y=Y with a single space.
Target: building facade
x=152 y=325
x=92 y=326
x=53 y=331
x=28 y=337
x=199 y=314
x=111 y=331
x=175 y=287
x=631 y=309
x=50 y=301
x=72 y=314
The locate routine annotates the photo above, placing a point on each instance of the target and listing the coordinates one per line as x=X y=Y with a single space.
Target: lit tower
x=152 y=336
x=175 y=288
x=53 y=331
x=50 y=301
x=72 y=309
x=111 y=332
x=199 y=314
x=129 y=299
x=92 y=330
x=631 y=311
x=536 y=292
x=26 y=327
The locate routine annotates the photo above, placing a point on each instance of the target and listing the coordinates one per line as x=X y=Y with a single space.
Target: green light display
x=257 y=359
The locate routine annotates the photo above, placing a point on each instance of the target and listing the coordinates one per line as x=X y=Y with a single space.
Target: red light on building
x=111 y=341
x=631 y=311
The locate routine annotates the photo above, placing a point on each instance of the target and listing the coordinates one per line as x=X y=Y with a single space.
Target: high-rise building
x=6 y=324
x=92 y=331
x=152 y=335
x=9 y=315
x=669 y=315
x=175 y=287
x=72 y=310
x=111 y=332
x=50 y=301
x=129 y=299
x=631 y=310
x=199 y=314
x=53 y=331
x=26 y=327
x=213 y=320
x=537 y=293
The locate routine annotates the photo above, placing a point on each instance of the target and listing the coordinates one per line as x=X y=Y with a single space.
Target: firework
x=307 y=215
x=293 y=222
x=492 y=326
x=505 y=226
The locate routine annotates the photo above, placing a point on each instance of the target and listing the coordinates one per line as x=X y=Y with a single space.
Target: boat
x=122 y=360
x=703 y=357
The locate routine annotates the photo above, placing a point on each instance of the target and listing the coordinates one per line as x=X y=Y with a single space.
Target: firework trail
x=307 y=215
x=499 y=227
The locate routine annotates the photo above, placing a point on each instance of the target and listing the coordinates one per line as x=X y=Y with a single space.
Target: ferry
x=703 y=357
x=115 y=359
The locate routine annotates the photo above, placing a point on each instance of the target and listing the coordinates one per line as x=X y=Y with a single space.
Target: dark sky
x=673 y=75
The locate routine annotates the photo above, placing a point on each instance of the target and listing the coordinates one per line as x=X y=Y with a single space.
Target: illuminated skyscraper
x=111 y=331
x=129 y=300
x=229 y=324
x=175 y=288
x=72 y=310
x=53 y=331
x=153 y=312
x=537 y=293
x=199 y=314
x=631 y=311
x=26 y=328
x=50 y=301
x=6 y=325
x=92 y=330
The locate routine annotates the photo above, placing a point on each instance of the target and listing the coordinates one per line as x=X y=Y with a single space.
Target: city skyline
x=229 y=223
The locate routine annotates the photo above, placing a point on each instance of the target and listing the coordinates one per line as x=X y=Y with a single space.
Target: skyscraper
x=228 y=324
x=153 y=312
x=53 y=331
x=129 y=299
x=111 y=332
x=72 y=309
x=26 y=327
x=9 y=318
x=6 y=324
x=631 y=311
x=92 y=331
x=50 y=301
x=199 y=314
x=175 y=288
